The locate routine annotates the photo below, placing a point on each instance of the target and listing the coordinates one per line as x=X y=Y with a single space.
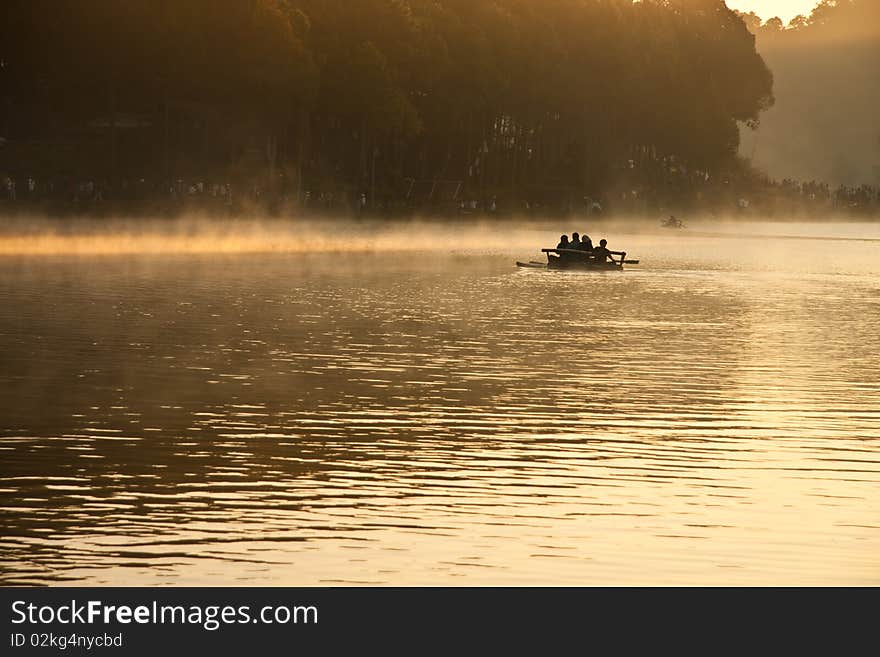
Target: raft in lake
x=575 y=260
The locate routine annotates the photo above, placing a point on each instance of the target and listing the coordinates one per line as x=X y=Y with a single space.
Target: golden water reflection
x=710 y=418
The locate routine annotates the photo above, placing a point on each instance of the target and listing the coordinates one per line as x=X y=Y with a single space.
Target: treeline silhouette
x=467 y=104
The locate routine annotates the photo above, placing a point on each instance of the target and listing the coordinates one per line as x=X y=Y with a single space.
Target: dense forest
x=533 y=103
x=826 y=69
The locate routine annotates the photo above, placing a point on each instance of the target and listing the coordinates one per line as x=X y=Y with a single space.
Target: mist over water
x=289 y=403
x=196 y=234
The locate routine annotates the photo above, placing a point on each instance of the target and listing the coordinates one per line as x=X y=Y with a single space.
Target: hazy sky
x=785 y=9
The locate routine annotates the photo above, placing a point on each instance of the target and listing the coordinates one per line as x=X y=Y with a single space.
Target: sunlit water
x=710 y=416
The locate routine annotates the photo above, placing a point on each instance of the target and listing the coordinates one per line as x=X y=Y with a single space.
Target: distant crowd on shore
x=683 y=191
x=664 y=183
x=863 y=196
x=85 y=189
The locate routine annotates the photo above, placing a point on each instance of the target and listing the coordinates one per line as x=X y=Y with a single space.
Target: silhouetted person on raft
x=601 y=252
x=563 y=244
x=586 y=243
x=576 y=244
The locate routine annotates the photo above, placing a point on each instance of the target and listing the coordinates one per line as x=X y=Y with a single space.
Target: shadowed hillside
x=826 y=70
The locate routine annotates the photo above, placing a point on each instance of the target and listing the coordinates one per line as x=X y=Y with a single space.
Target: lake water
x=417 y=411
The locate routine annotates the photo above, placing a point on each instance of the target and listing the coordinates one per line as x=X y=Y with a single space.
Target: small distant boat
x=574 y=260
x=672 y=222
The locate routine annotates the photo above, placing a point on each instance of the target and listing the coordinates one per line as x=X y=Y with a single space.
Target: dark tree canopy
x=502 y=95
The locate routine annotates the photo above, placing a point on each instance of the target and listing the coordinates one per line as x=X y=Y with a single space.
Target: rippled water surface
x=710 y=416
